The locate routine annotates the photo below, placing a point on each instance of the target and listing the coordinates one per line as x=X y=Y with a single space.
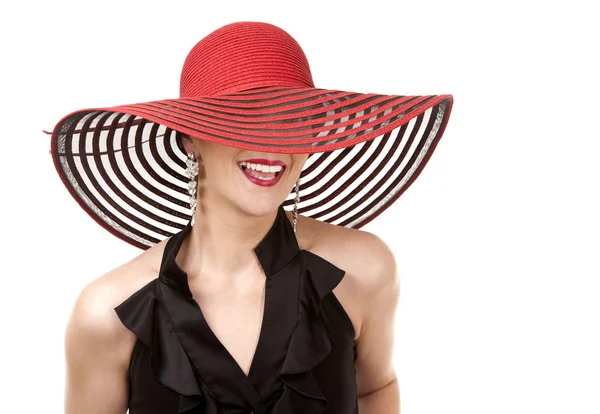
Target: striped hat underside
x=125 y=165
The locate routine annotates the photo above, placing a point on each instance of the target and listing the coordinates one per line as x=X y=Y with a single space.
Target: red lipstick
x=268 y=182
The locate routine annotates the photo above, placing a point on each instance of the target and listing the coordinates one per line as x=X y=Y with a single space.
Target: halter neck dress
x=304 y=360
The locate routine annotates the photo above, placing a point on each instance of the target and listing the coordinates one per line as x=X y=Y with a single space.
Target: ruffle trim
x=145 y=315
x=311 y=342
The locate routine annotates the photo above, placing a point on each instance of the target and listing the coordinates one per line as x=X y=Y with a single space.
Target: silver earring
x=192 y=171
x=296 y=200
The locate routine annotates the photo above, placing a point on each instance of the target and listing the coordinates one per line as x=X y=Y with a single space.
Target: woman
x=238 y=305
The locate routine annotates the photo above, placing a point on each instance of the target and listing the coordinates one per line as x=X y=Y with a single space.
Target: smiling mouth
x=261 y=171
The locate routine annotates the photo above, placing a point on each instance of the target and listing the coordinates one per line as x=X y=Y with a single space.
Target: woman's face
x=223 y=177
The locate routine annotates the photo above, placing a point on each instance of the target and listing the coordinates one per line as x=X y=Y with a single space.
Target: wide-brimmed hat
x=246 y=85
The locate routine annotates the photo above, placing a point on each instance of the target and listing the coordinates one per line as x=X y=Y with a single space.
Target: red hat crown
x=244 y=55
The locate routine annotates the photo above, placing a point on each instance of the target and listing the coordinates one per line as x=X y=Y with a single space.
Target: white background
x=497 y=242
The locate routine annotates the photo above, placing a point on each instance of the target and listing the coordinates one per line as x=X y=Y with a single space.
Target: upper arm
x=96 y=371
x=375 y=344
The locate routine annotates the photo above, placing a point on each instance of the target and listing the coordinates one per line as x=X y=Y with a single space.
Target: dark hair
x=179 y=137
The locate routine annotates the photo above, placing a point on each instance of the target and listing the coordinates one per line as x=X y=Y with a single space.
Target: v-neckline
x=223 y=349
x=277 y=248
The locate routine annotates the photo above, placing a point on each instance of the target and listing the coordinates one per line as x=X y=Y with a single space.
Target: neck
x=221 y=244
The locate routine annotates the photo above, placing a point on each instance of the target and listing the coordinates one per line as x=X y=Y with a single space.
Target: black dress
x=304 y=360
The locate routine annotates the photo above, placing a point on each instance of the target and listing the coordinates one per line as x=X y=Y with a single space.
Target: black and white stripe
x=125 y=165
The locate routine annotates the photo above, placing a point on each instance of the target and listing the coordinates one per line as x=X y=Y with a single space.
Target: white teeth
x=261 y=167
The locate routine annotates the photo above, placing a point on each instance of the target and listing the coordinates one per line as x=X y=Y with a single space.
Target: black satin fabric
x=304 y=360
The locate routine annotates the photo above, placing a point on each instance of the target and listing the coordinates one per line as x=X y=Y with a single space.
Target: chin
x=259 y=201
x=261 y=206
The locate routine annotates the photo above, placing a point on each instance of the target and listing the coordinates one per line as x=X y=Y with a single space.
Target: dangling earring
x=296 y=200
x=192 y=171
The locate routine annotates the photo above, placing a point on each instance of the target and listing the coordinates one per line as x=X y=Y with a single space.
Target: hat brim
x=125 y=164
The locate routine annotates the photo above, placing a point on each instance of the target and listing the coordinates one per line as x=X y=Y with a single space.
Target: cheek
x=218 y=160
x=299 y=163
x=222 y=171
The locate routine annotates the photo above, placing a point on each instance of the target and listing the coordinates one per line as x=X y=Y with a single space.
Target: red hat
x=246 y=85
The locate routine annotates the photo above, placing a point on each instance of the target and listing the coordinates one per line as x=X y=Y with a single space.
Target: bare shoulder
x=97 y=345
x=93 y=314
x=113 y=287
x=369 y=263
